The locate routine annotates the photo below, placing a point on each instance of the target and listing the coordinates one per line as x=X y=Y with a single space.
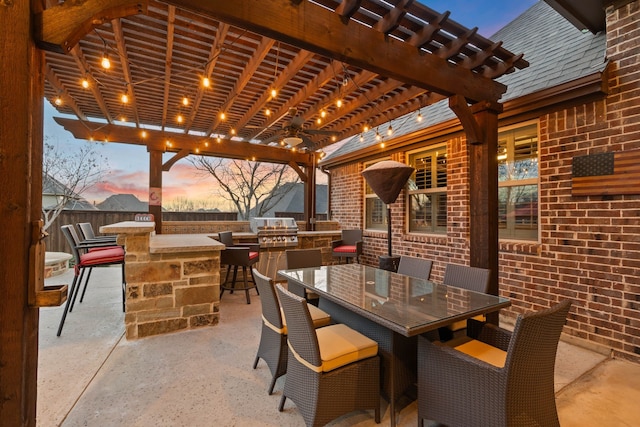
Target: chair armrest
x=359 y=246
x=489 y=334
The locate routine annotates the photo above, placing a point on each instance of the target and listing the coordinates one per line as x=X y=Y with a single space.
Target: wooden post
x=483 y=197
x=310 y=196
x=155 y=187
x=21 y=112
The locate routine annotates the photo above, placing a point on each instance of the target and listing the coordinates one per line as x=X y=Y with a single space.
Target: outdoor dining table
x=392 y=309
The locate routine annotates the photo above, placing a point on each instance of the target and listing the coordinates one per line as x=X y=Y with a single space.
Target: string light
x=378 y=136
x=223 y=116
x=85 y=83
x=339 y=103
x=382 y=145
x=105 y=62
x=274 y=93
x=390 y=130
x=179 y=118
x=218 y=139
x=185 y=101
x=361 y=138
x=206 y=82
x=365 y=128
x=143 y=134
x=57 y=101
x=233 y=131
x=323 y=114
x=419 y=117
x=267 y=112
x=319 y=120
x=124 y=98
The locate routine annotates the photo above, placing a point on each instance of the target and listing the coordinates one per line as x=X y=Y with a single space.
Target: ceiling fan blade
x=319 y=132
x=277 y=137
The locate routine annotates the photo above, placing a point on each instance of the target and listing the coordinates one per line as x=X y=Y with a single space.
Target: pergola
x=383 y=59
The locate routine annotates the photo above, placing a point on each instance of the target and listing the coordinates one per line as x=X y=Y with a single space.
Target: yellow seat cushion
x=341 y=345
x=484 y=352
x=319 y=317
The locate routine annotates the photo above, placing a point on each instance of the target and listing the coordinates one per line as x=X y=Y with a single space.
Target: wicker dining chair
x=465 y=277
x=304 y=258
x=331 y=371
x=415 y=267
x=498 y=378
x=273 y=339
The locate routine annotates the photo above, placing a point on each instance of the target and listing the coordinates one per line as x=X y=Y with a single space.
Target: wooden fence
x=56 y=242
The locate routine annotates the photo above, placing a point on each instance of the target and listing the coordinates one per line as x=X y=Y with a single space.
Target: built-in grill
x=275 y=232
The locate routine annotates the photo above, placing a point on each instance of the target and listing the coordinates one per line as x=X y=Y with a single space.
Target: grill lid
x=265 y=224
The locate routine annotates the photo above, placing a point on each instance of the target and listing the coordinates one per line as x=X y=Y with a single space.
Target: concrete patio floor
x=93 y=376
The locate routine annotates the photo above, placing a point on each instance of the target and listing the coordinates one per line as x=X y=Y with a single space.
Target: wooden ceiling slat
x=164 y=52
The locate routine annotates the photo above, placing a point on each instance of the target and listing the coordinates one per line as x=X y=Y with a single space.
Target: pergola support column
x=480 y=124
x=21 y=109
x=155 y=187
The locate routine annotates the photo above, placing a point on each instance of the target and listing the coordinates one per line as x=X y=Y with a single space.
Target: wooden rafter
x=247 y=73
x=157 y=140
x=171 y=17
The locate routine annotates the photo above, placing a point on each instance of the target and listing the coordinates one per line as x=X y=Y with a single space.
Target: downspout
x=323 y=170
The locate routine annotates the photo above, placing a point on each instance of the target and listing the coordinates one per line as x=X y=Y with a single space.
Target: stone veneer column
x=169 y=288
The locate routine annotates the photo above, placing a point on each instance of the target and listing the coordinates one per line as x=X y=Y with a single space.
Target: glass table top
x=405 y=304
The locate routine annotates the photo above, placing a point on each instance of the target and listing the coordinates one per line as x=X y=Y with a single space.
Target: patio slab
x=91 y=376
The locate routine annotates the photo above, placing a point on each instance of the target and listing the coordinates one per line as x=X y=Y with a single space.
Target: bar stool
x=235 y=256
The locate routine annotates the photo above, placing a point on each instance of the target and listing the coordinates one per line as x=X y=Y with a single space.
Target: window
x=427 y=191
x=374 y=210
x=518 y=183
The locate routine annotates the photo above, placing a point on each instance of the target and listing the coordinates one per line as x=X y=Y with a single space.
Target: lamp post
x=387 y=178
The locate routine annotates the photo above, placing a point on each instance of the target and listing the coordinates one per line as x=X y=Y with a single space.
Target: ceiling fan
x=293 y=134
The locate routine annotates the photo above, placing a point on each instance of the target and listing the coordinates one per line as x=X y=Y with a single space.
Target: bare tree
x=249 y=186
x=66 y=175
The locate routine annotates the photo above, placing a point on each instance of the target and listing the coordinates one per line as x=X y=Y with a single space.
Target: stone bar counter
x=173 y=280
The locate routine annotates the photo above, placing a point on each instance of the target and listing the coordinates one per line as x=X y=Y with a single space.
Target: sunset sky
x=129 y=164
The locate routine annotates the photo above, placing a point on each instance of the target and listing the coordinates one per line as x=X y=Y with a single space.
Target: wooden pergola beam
x=60 y=28
x=157 y=140
x=322 y=31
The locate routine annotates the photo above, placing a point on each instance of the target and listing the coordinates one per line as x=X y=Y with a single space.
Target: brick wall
x=589 y=247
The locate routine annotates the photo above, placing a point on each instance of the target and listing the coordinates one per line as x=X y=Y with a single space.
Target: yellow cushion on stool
x=484 y=352
x=341 y=345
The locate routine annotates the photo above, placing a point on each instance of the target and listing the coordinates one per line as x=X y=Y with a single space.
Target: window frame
x=432 y=149
x=371 y=195
x=512 y=183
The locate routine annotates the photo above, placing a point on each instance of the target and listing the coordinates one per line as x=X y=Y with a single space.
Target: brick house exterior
x=588 y=247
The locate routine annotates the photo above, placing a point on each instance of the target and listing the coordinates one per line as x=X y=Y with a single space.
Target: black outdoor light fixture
x=387 y=178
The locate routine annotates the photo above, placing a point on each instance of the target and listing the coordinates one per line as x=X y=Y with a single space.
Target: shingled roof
x=557 y=51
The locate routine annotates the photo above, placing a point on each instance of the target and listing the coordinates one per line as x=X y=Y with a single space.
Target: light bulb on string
x=339 y=103
x=267 y=112
x=419 y=117
x=361 y=138
x=185 y=101
x=206 y=82
x=223 y=116
x=105 y=62
x=319 y=121
x=124 y=98
x=390 y=130
x=179 y=118
x=274 y=92
x=365 y=128
x=378 y=136
x=85 y=83
x=57 y=101
x=323 y=114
